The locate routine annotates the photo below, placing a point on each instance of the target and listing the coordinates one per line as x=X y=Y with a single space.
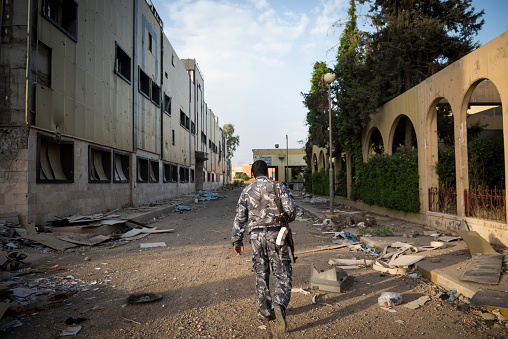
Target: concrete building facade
x=476 y=89
x=280 y=159
x=99 y=110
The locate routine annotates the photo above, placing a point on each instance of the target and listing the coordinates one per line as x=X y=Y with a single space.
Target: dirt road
x=208 y=291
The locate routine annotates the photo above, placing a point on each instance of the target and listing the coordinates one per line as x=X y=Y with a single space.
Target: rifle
x=284 y=224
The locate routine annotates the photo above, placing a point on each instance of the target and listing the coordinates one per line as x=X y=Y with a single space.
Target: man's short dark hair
x=259 y=167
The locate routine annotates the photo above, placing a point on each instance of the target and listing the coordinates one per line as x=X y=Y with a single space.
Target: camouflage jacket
x=257 y=208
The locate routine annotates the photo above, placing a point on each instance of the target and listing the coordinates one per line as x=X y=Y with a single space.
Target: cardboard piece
x=417 y=303
x=90 y=242
x=50 y=241
x=3 y=308
x=476 y=243
x=332 y=280
x=484 y=269
x=447 y=238
x=326 y=248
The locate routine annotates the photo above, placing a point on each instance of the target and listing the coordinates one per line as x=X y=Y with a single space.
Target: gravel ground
x=208 y=291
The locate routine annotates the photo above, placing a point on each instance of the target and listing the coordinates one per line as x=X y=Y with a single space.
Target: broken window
x=182 y=174
x=193 y=128
x=121 y=167
x=43 y=67
x=203 y=138
x=156 y=94
x=167 y=172
x=154 y=171
x=167 y=104
x=208 y=176
x=191 y=175
x=55 y=160
x=63 y=14
x=184 y=120
x=123 y=64
x=173 y=137
x=142 y=169
x=174 y=173
x=144 y=83
x=150 y=43
x=99 y=165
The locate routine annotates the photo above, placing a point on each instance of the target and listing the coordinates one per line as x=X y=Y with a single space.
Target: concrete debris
x=417 y=303
x=300 y=290
x=153 y=244
x=73 y=330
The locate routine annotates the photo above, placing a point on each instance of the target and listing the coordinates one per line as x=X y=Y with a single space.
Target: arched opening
x=322 y=162
x=485 y=153
x=315 y=165
x=442 y=192
x=376 y=145
x=404 y=134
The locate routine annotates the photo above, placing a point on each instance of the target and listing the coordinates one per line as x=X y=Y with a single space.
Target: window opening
x=167 y=104
x=55 y=160
x=63 y=14
x=156 y=94
x=123 y=64
x=144 y=83
x=121 y=168
x=99 y=165
x=154 y=171
x=142 y=169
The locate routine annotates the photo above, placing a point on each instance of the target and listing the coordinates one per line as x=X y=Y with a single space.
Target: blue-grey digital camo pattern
x=257 y=209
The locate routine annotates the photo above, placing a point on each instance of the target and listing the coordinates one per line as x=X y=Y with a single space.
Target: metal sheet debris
x=476 y=243
x=152 y=244
x=417 y=303
x=406 y=260
x=50 y=241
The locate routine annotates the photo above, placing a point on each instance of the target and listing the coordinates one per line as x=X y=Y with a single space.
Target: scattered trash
x=180 y=208
x=263 y=327
x=143 y=297
x=400 y=322
x=332 y=280
x=300 y=290
x=358 y=262
x=389 y=299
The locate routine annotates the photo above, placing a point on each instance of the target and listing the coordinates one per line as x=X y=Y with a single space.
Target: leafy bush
x=392 y=181
x=445 y=167
x=242 y=176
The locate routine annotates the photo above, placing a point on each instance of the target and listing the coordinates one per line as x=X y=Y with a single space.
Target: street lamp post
x=287 y=160
x=328 y=78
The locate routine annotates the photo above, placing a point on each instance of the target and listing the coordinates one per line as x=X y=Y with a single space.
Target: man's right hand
x=238 y=250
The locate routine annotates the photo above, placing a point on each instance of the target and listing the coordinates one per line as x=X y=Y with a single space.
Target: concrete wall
x=455 y=85
x=279 y=158
x=82 y=98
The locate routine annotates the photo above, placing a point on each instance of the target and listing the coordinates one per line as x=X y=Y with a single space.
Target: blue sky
x=257 y=57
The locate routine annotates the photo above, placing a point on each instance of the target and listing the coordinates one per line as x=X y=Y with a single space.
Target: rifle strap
x=277 y=197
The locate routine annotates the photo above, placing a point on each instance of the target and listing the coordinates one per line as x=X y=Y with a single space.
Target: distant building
x=98 y=111
x=282 y=161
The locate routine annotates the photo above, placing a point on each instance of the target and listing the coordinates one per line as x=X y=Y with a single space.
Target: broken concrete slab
x=406 y=260
x=484 y=269
x=491 y=299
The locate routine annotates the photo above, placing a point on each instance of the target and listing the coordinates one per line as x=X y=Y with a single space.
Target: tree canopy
x=232 y=140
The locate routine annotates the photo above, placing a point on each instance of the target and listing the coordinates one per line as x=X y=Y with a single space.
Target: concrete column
x=461 y=163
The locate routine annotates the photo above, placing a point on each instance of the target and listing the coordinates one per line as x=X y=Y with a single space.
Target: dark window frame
x=67 y=7
x=105 y=163
x=125 y=167
x=144 y=83
x=142 y=170
x=167 y=104
x=154 y=169
x=121 y=54
x=155 y=94
x=66 y=159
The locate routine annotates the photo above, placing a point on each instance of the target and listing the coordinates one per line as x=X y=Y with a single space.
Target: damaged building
x=98 y=111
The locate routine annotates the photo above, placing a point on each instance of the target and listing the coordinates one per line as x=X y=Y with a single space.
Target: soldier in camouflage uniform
x=258 y=216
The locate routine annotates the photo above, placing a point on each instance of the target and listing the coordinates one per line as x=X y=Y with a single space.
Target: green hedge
x=392 y=181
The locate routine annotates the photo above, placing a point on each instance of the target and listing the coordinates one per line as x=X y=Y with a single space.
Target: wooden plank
x=484 y=269
x=326 y=248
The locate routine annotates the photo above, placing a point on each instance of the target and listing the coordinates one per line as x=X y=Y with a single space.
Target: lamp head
x=328 y=78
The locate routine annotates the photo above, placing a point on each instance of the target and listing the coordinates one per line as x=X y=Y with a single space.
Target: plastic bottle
x=452 y=294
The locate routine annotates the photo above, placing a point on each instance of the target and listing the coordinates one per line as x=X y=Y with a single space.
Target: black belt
x=266 y=229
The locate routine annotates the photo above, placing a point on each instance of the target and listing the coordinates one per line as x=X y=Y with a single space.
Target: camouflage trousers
x=265 y=255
